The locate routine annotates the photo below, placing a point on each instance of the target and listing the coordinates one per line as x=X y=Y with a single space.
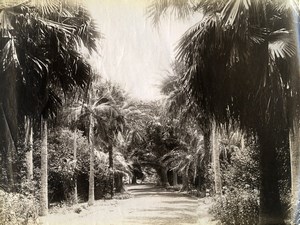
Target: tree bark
x=164 y=177
x=8 y=123
x=203 y=181
x=92 y=158
x=44 y=169
x=216 y=159
x=294 y=137
x=271 y=211
x=119 y=183
x=9 y=150
x=175 y=180
x=75 y=160
x=28 y=143
x=133 y=181
x=185 y=182
x=111 y=169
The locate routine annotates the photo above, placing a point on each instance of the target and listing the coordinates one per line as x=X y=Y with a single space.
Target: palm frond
x=5 y=23
x=9 y=56
x=281 y=44
x=47 y=7
x=158 y=8
x=233 y=10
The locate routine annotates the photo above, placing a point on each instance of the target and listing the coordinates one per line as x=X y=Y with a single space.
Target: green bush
x=239 y=203
x=237 y=207
x=62 y=168
x=18 y=209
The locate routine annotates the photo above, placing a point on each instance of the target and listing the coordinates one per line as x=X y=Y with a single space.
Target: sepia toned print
x=129 y=112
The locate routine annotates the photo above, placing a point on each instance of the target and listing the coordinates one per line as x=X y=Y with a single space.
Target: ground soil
x=149 y=205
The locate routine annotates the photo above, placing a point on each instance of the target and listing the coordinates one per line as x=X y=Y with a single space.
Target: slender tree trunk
x=271 y=211
x=111 y=169
x=9 y=150
x=44 y=169
x=203 y=180
x=294 y=138
x=164 y=177
x=75 y=162
x=175 y=180
x=295 y=172
x=185 y=181
x=8 y=123
x=133 y=181
x=216 y=159
x=119 y=183
x=28 y=143
x=92 y=158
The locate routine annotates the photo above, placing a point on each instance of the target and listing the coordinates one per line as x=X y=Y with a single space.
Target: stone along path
x=148 y=206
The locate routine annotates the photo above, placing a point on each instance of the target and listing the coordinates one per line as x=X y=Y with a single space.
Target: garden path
x=149 y=205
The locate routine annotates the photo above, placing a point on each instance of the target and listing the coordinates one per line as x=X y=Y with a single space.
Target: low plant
x=18 y=209
x=237 y=207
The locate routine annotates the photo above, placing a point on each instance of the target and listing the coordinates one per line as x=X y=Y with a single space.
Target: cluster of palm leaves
x=44 y=41
x=218 y=56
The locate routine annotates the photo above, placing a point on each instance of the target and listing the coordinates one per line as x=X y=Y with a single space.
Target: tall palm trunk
x=111 y=169
x=203 y=180
x=271 y=211
x=44 y=169
x=75 y=159
x=8 y=150
x=28 y=143
x=295 y=172
x=294 y=140
x=216 y=159
x=92 y=158
x=8 y=124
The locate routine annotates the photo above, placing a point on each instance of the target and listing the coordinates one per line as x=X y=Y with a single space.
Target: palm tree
x=185 y=112
x=75 y=160
x=41 y=43
x=28 y=143
x=8 y=152
x=216 y=159
x=44 y=169
x=92 y=156
x=240 y=53
x=185 y=158
x=104 y=120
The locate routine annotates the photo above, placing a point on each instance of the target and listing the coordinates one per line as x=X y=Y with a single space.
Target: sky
x=135 y=53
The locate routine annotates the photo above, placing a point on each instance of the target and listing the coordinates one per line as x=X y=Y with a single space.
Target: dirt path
x=148 y=206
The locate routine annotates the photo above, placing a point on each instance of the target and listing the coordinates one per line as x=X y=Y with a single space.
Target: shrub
x=239 y=203
x=237 y=207
x=62 y=168
x=18 y=209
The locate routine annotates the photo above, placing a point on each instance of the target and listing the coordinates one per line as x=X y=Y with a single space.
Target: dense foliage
x=226 y=125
